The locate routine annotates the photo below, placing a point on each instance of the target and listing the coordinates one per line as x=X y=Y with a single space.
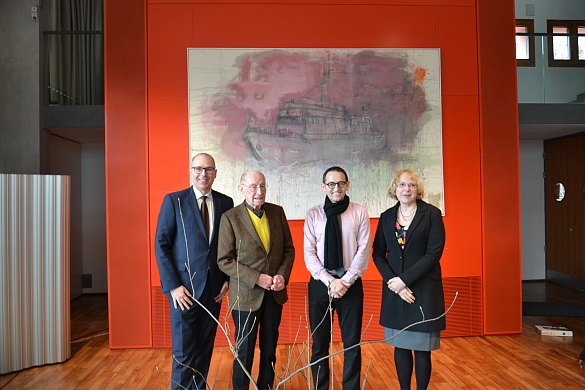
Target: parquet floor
x=520 y=361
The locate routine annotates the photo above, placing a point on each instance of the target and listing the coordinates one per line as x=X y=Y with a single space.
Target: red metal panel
x=500 y=163
x=289 y=25
x=174 y=27
x=168 y=134
x=126 y=174
x=456 y=35
x=170 y=33
x=465 y=317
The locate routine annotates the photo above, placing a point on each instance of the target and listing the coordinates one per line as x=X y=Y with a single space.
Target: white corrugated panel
x=34 y=271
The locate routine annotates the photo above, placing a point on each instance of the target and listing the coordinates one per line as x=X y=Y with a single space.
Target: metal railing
x=546 y=83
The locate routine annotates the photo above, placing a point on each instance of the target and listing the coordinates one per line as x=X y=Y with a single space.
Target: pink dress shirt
x=355 y=235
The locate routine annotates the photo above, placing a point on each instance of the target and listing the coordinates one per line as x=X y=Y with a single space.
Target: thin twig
x=232 y=348
x=169 y=378
x=366 y=374
x=369 y=342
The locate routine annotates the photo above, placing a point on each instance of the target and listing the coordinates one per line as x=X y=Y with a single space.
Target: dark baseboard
x=566 y=280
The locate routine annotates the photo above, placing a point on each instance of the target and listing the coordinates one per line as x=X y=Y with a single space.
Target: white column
x=34 y=271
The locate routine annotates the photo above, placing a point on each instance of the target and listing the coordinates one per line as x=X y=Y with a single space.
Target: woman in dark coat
x=407 y=248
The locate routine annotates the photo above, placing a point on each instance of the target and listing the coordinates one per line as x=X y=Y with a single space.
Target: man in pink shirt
x=337 y=250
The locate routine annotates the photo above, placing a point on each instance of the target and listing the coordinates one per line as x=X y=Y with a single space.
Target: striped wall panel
x=464 y=319
x=34 y=271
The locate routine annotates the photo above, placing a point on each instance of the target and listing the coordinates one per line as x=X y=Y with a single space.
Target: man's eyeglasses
x=332 y=185
x=254 y=187
x=403 y=184
x=209 y=170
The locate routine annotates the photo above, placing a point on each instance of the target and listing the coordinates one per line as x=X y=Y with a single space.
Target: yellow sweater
x=261 y=226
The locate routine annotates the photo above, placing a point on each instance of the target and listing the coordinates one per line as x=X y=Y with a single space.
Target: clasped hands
x=338 y=288
x=274 y=283
x=397 y=286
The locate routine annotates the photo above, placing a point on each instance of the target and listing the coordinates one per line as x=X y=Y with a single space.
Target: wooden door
x=565 y=219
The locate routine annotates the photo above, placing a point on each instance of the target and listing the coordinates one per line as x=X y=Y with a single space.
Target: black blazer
x=418 y=267
x=180 y=209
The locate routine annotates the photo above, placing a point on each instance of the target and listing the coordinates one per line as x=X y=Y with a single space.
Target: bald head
x=253 y=186
x=207 y=156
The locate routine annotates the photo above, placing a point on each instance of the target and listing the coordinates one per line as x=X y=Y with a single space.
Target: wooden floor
x=522 y=361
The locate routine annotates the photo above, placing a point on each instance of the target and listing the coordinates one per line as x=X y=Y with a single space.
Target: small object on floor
x=582 y=356
x=554 y=330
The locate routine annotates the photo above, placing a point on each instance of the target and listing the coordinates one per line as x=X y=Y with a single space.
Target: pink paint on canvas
x=288 y=107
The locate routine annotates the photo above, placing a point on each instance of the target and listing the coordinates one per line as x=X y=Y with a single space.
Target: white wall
x=84 y=162
x=93 y=210
x=541 y=84
x=532 y=213
x=65 y=159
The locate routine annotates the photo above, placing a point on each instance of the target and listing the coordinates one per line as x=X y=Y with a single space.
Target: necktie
x=205 y=214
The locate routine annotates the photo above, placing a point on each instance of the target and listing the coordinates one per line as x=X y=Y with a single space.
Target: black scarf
x=333 y=245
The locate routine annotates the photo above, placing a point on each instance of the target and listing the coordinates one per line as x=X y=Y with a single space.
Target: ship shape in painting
x=307 y=132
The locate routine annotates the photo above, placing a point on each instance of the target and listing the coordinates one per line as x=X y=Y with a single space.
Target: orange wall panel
x=126 y=175
x=461 y=142
x=312 y=2
x=299 y=272
x=462 y=255
x=147 y=135
x=168 y=119
x=290 y=25
x=456 y=35
x=170 y=32
x=500 y=158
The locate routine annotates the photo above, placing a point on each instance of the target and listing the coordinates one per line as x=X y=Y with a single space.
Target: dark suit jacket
x=179 y=221
x=418 y=268
x=242 y=256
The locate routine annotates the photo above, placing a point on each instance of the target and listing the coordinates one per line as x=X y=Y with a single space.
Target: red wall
x=147 y=127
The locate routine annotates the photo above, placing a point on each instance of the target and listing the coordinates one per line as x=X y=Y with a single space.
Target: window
x=524 y=44
x=568 y=49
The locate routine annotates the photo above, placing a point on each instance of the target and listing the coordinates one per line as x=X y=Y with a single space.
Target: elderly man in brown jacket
x=256 y=251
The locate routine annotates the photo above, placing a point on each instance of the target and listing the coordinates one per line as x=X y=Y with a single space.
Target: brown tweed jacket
x=243 y=258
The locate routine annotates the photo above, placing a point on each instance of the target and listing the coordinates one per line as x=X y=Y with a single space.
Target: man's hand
x=338 y=288
x=181 y=298
x=222 y=292
x=264 y=281
x=278 y=283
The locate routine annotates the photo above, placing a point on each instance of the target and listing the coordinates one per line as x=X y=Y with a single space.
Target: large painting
x=292 y=113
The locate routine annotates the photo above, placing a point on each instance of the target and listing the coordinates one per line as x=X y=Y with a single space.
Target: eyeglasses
x=254 y=187
x=332 y=185
x=209 y=170
x=403 y=184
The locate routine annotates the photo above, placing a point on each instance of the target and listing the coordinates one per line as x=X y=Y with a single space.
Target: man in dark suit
x=256 y=250
x=186 y=253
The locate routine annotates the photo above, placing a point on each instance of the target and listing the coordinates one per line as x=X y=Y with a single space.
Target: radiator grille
x=464 y=319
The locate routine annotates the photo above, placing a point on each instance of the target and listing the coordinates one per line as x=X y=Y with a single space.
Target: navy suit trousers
x=193 y=338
